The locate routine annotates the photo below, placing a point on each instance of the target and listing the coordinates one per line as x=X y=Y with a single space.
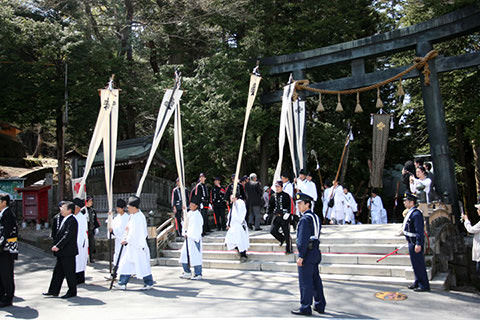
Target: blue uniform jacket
x=415 y=226
x=305 y=230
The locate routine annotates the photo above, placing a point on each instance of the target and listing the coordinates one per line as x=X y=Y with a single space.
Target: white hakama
x=81 y=258
x=135 y=259
x=194 y=239
x=237 y=234
x=119 y=225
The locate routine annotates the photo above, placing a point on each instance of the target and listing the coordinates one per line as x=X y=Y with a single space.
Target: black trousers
x=278 y=223
x=220 y=217
x=206 y=226
x=91 y=244
x=7 y=284
x=178 y=221
x=64 y=268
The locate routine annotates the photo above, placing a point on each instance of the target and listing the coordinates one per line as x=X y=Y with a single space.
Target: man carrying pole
x=191 y=253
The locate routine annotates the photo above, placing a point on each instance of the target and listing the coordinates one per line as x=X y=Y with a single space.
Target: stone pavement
x=222 y=294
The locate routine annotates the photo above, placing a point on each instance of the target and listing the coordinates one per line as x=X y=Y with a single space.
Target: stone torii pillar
x=445 y=181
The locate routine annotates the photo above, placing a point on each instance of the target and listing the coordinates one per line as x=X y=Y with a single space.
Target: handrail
x=164 y=224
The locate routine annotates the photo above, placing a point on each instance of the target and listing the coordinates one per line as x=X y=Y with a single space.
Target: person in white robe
x=81 y=258
x=191 y=253
x=423 y=180
x=307 y=186
x=350 y=206
x=119 y=224
x=338 y=210
x=377 y=212
x=327 y=211
x=287 y=185
x=135 y=257
x=237 y=230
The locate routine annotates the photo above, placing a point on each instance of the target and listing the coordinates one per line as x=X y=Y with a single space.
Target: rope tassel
x=400 y=91
x=339 y=105
x=358 y=107
x=379 y=100
x=320 y=107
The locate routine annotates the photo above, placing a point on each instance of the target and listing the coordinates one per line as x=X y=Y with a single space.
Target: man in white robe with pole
x=237 y=230
x=135 y=259
x=82 y=241
x=350 y=206
x=377 y=212
x=191 y=253
x=119 y=225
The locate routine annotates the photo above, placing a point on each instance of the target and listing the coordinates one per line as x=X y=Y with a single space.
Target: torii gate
x=420 y=37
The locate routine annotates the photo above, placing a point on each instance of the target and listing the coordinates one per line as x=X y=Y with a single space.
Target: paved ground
x=223 y=294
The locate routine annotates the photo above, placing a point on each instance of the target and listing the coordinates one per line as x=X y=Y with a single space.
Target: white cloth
x=81 y=258
x=338 y=212
x=476 y=239
x=194 y=239
x=427 y=183
x=350 y=207
x=378 y=213
x=119 y=224
x=288 y=188
x=309 y=188
x=135 y=257
x=325 y=198
x=237 y=234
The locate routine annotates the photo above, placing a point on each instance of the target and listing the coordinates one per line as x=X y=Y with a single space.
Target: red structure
x=35 y=203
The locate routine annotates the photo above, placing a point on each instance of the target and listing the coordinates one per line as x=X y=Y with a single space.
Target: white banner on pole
x=252 y=93
x=179 y=157
x=105 y=130
x=286 y=106
x=299 y=122
x=169 y=101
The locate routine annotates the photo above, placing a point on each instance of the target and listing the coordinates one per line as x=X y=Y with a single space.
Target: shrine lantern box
x=35 y=204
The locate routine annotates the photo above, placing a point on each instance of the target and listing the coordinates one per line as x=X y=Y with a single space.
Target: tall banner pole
x=252 y=93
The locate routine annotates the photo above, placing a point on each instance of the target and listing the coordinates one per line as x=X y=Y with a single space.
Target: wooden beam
x=454 y=24
x=443 y=64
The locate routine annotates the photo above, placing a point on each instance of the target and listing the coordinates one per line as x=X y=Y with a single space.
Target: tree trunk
x=60 y=131
x=263 y=174
x=468 y=173
x=39 y=141
x=128 y=51
x=476 y=156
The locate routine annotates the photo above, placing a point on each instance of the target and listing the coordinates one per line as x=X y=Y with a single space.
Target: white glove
x=285 y=216
x=96 y=231
x=265 y=216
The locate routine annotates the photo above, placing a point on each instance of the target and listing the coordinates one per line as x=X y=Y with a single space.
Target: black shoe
x=281 y=243
x=319 y=311
x=258 y=229
x=68 y=295
x=288 y=252
x=4 y=304
x=413 y=286
x=299 y=312
x=421 y=289
x=50 y=294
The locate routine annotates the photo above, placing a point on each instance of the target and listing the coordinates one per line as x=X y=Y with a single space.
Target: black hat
x=195 y=199
x=303 y=197
x=279 y=183
x=303 y=172
x=134 y=201
x=233 y=176
x=374 y=191
x=309 y=174
x=285 y=175
x=121 y=203
x=61 y=203
x=244 y=178
x=410 y=196
x=217 y=178
x=89 y=198
x=202 y=175
x=79 y=202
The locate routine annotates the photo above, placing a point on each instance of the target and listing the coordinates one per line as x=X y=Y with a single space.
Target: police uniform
x=217 y=198
x=311 y=287
x=8 y=253
x=414 y=233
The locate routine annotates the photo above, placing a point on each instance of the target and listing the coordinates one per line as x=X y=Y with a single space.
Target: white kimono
x=194 y=239
x=237 y=235
x=427 y=183
x=135 y=259
x=119 y=224
x=378 y=213
x=338 y=212
x=82 y=243
x=288 y=188
x=350 y=206
x=325 y=199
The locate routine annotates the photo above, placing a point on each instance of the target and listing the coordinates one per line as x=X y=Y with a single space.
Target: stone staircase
x=349 y=252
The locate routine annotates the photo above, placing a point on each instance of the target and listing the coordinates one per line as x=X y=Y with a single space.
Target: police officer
x=309 y=257
x=177 y=206
x=217 y=198
x=414 y=232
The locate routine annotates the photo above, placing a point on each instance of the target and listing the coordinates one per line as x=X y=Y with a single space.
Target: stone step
x=267 y=238
x=365 y=259
x=325 y=248
x=325 y=268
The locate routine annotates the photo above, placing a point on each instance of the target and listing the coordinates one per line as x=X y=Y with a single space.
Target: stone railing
x=148 y=201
